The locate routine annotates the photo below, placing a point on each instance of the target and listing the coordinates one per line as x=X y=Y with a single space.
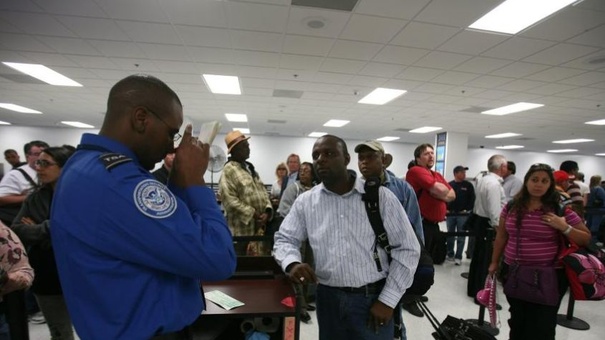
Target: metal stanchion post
x=568 y=320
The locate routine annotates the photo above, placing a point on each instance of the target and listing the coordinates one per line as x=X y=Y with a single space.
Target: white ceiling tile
x=489 y=81
x=93 y=28
x=23 y=42
x=253 y=58
x=521 y=85
x=332 y=78
x=291 y=85
x=296 y=44
x=482 y=65
x=390 y=8
x=442 y=60
x=299 y=75
x=212 y=55
x=334 y=21
x=595 y=97
x=471 y=42
x=34 y=23
x=325 y=88
x=594 y=37
x=165 y=52
x=419 y=73
x=341 y=65
x=256 y=82
x=206 y=13
x=565 y=24
x=150 y=32
x=132 y=64
x=519 y=69
x=354 y=50
x=317 y=95
x=421 y=35
x=256 y=41
x=257 y=17
x=460 y=13
x=383 y=29
x=204 y=36
x=117 y=48
x=176 y=67
x=93 y=62
x=47 y=59
x=588 y=93
x=585 y=79
x=138 y=10
x=550 y=89
x=517 y=48
x=433 y=88
x=454 y=78
x=560 y=53
x=368 y=81
x=70 y=45
x=555 y=74
x=253 y=71
x=381 y=69
x=400 y=55
x=300 y=62
x=588 y=62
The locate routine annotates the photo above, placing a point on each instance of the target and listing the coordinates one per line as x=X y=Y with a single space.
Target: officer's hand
x=302 y=273
x=380 y=315
x=190 y=161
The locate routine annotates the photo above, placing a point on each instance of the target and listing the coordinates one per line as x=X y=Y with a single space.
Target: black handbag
x=453 y=328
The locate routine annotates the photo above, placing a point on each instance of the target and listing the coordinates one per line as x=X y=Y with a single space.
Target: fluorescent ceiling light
x=43 y=73
x=599 y=154
x=78 y=124
x=336 y=123
x=425 y=129
x=562 y=150
x=387 y=139
x=518 y=107
x=596 y=122
x=573 y=141
x=381 y=96
x=236 y=117
x=242 y=130
x=317 y=134
x=4 y=123
x=509 y=147
x=504 y=135
x=222 y=84
x=513 y=16
x=18 y=108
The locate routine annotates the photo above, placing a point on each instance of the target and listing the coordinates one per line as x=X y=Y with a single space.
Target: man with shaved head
x=130 y=250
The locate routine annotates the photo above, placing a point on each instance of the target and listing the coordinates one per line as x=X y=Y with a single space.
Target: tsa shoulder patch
x=111 y=160
x=153 y=199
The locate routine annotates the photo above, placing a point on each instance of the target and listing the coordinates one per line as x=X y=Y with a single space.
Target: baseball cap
x=459 y=168
x=372 y=144
x=562 y=176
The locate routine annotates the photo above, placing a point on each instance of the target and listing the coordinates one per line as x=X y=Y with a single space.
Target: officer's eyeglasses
x=42 y=163
x=176 y=136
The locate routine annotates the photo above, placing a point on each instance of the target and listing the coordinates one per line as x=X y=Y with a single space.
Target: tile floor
x=448 y=296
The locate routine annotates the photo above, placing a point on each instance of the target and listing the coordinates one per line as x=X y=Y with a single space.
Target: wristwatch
x=568 y=230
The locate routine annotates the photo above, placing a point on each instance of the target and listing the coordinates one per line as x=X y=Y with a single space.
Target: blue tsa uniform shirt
x=130 y=251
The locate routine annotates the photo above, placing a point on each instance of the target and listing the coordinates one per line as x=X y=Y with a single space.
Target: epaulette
x=111 y=160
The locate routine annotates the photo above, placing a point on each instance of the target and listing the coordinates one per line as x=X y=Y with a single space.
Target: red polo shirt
x=422 y=180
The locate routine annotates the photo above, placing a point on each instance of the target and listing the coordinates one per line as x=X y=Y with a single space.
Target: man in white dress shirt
x=355 y=299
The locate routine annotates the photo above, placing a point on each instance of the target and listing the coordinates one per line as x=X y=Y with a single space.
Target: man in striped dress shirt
x=356 y=294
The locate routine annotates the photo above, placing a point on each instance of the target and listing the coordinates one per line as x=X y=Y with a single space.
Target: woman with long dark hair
x=530 y=234
x=32 y=226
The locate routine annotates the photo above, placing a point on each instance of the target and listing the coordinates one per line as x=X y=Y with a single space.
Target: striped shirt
x=342 y=239
x=539 y=242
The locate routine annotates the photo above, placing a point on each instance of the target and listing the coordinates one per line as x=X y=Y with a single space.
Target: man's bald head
x=139 y=89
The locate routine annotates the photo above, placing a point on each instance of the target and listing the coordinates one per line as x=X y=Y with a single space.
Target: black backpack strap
x=28 y=177
x=370 y=199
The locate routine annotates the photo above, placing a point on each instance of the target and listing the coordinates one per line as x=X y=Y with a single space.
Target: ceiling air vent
x=276 y=121
x=342 y=5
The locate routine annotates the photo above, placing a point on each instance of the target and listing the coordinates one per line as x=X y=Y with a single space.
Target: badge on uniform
x=153 y=199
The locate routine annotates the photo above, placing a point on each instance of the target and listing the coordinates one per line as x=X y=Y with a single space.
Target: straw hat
x=233 y=138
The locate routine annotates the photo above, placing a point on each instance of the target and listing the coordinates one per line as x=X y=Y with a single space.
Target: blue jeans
x=344 y=316
x=455 y=224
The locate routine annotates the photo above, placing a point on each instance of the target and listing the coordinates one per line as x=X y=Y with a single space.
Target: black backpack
x=424 y=277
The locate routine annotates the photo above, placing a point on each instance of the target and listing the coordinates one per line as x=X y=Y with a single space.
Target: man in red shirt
x=432 y=190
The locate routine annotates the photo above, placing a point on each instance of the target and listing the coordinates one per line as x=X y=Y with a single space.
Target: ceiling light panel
x=425 y=129
x=4 y=123
x=562 y=150
x=573 y=141
x=504 y=135
x=387 y=139
x=77 y=124
x=18 y=108
x=236 y=117
x=596 y=122
x=242 y=130
x=219 y=84
x=508 y=109
x=509 y=147
x=513 y=16
x=381 y=96
x=336 y=123
x=43 y=73
x=317 y=134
